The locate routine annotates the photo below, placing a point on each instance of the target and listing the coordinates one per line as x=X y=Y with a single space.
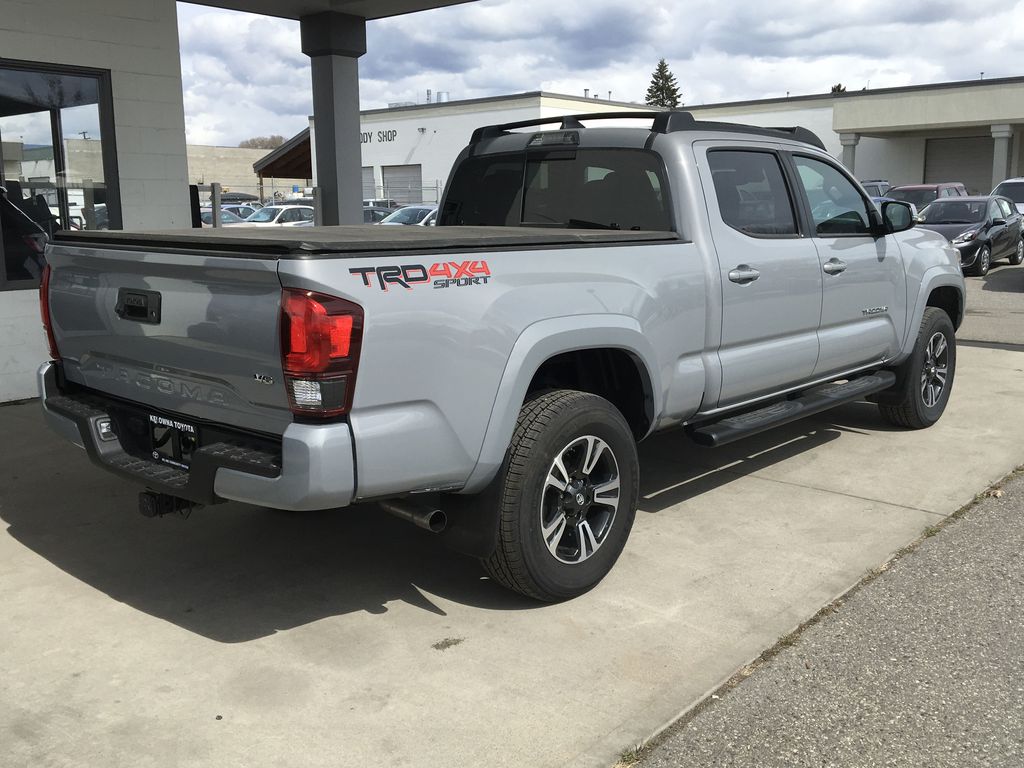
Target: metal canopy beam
x=296 y=9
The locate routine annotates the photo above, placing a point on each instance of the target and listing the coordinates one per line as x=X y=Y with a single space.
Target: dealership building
x=92 y=128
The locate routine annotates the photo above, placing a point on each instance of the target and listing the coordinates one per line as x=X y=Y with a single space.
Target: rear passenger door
x=770 y=276
x=864 y=290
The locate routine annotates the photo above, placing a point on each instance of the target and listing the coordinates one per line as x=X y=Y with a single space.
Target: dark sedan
x=983 y=229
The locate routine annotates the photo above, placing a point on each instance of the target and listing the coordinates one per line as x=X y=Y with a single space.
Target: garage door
x=966 y=159
x=369 y=187
x=403 y=183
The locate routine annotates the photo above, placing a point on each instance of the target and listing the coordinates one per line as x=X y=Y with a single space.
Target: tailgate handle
x=138 y=306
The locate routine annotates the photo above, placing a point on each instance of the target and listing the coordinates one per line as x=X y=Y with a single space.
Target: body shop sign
x=383 y=136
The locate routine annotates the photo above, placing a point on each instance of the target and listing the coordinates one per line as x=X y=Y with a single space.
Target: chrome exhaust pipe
x=429 y=518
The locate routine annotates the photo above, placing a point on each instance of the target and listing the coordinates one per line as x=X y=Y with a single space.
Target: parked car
x=922 y=194
x=227 y=218
x=381 y=202
x=241 y=210
x=875 y=187
x=983 y=229
x=422 y=215
x=1014 y=190
x=372 y=214
x=487 y=380
x=24 y=242
x=878 y=201
x=282 y=216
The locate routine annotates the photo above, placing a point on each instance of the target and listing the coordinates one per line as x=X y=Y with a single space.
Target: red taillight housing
x=320 y=341
x=44 y=311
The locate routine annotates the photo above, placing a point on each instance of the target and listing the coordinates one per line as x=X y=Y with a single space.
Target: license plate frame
x=172 y=441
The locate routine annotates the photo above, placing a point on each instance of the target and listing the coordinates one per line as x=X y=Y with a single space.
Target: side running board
x=810 y=402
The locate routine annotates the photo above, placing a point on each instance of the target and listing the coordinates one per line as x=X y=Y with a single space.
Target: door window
x=1004 y=206
x=837 y=208
x=752 y=193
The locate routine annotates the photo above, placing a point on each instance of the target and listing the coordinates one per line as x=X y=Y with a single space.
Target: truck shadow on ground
x=234 y=573
x=1004 y=279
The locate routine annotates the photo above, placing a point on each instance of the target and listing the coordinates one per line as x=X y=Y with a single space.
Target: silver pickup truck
x=585 y=287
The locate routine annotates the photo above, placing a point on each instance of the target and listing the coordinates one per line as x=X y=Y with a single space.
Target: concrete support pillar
x=849 y=142
x=334 y=42
x=1002 y=137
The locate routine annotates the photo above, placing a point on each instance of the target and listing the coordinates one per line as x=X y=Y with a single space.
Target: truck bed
x=353 y=240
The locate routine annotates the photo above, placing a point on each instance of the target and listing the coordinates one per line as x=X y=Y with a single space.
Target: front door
x=864 y=286
x=770 y=276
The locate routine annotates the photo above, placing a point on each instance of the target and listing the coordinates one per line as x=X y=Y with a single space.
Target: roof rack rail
x=661 y=122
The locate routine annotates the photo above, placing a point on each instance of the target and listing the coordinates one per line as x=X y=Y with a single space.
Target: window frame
x=875 y=228
x=105 y=109
x=799 y=225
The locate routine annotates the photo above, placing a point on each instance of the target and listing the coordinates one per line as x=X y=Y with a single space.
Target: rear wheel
x=1017 y=257
x=925 y=379
x=569 y=490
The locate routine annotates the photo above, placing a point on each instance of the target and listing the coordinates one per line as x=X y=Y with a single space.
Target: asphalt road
x=922 y=666
x=995 y=307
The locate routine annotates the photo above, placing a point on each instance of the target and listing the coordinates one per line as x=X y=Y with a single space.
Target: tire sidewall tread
x=546 y=424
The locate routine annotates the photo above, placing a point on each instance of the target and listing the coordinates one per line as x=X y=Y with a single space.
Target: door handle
x=834 y=266
x=743 y=274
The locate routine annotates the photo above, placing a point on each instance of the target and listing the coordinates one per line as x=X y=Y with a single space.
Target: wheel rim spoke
x=557 y=477
x=607 y=494
x=588 y=542
x=553 y=533
x=595 y=448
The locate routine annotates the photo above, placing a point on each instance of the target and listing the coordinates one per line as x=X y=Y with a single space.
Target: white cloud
x=246 y=75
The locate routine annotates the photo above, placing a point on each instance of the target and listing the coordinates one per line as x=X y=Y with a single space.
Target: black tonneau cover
x=307 y=242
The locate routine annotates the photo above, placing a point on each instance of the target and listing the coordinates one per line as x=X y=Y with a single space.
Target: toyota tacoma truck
x=588 y=284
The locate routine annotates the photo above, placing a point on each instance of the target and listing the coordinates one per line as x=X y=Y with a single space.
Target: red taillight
x=320 y=342
x=44 y=311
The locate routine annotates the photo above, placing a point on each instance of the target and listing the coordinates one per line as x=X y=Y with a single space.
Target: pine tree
x=663 y=90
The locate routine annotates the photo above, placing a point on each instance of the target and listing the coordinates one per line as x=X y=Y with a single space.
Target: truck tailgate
x=192 y=334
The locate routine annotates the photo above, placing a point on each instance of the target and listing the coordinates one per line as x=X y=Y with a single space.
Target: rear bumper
x=315 y=468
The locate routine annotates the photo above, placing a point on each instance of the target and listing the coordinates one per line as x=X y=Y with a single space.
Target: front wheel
x=1017 y=257
x=982 y=261
x=925 y=379
x=569 y=490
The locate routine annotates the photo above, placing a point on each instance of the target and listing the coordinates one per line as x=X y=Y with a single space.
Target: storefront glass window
x=56 y=160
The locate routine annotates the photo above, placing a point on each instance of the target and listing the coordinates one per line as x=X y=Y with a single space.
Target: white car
x=282 y=216
x=1013 y=189
x=227 y=218
x=417 y=215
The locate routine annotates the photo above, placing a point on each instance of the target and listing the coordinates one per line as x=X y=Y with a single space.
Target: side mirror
x=897 y=215
x=998 y=222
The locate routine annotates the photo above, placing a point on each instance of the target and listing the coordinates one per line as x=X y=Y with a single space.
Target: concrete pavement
x=249 y=637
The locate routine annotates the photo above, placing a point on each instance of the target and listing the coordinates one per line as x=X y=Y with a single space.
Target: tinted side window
x=836 y=206
x=993 y=211
x=752 y=193
x=1004 y=206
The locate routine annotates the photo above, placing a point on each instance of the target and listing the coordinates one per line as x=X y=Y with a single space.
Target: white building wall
x=433 y=136
x=899 y=160
x=137 y=40
x=816 y=116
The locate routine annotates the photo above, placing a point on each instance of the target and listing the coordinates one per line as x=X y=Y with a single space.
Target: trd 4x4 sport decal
x=443 y=274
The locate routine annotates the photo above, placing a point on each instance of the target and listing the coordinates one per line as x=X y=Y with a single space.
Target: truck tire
x=567 y=496
x=925 y=379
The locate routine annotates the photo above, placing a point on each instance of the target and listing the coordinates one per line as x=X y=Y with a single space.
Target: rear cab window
x=622 y=189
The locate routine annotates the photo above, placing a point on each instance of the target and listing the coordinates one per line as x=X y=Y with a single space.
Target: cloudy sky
x=246 y=75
